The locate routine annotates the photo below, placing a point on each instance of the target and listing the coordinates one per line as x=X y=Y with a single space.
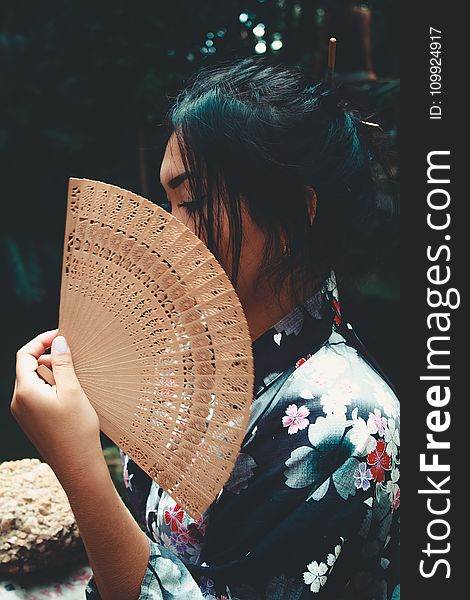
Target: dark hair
x=266 y=131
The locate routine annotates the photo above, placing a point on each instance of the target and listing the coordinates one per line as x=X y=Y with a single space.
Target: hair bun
x=331 y=97
x=336 y=102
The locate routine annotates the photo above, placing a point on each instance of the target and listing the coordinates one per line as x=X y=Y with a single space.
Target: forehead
x=172 y=163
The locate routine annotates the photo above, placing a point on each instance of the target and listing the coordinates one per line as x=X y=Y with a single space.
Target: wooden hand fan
x=159 y=340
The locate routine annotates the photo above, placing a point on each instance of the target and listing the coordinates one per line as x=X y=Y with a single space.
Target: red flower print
x=174 y=517
x=301 y=361
x=379 y=460
x=337 y=309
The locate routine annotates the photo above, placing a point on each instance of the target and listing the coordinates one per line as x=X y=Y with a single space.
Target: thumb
x=62 y=365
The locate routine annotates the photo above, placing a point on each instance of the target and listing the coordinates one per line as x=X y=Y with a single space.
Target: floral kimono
x=311 y=506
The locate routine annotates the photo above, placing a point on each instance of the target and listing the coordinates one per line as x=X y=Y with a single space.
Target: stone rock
x=37 y=526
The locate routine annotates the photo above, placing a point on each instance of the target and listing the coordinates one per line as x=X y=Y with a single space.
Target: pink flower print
x=296 y=418
x=396 y=499
x=185 y=536
x=376 y=423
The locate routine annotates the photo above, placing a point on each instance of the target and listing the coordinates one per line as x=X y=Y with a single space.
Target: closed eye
x=190 y=205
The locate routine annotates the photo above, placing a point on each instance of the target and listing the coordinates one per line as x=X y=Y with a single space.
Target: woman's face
x=172 y=178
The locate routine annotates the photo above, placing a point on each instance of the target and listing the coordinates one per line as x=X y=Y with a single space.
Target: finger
x=45 y=359
x=62 y=366
x=27 y=356
x=13 y=399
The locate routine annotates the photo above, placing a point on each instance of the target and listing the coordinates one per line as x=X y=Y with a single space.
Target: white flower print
x=331 y=285
x=376 y=423
x=392 y=439
x=306 y=394
x=338 y=398
x=317 y=382
x=332 y=426
x=396 y=500
x=127 y=479
x=296 y=418
x=349 y=389
x=386 y=400
x=321 y=370
x=315 y=576
x=334 y=403
x=331 y=558
x=359 y=435
x=393 y=489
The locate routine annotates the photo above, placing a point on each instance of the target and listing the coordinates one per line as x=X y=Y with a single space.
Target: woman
x=274 y=174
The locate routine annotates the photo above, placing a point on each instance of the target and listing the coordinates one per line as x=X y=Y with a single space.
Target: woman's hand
x=59 y=419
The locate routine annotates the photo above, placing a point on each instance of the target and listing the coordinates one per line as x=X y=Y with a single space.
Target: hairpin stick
x=370 y=124
x=46 y=374
x=331 y=58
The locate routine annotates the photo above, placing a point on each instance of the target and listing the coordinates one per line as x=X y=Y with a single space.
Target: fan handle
x=45 y=374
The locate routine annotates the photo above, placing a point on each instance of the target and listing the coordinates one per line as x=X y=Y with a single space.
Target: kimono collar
x=295 y=335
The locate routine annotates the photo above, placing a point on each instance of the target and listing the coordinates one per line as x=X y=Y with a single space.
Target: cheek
x=224 y=255
x=186 y=219
x=254 y=240
x=252 y=251
x=182 y=215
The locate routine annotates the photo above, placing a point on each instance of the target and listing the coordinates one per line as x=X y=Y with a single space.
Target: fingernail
x=59 y=344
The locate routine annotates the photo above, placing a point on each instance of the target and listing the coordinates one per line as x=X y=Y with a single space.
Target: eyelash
x=189 y=205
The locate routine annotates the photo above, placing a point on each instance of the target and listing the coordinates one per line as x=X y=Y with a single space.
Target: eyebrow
x=178 y=180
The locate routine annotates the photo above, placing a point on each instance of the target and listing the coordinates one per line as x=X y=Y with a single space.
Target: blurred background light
x=259 y=30
x=260 y=47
